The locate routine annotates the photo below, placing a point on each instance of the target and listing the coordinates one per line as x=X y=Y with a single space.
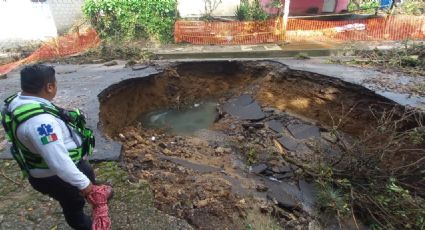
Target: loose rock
x=261 y=188
x=166 y=152
x=258 y=169
x=162 y=145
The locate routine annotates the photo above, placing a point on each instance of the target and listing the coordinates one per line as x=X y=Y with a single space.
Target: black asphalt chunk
x=284 y=194
x=288 y=143
x=307 y=191
x=244 y=108
x=244 y=100
x=275 y=126
x=303 y=150
x=258 y=169
x=302 y=131
x=284 y=176
x=307 y=196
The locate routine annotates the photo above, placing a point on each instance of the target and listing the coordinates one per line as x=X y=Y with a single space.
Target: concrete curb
x=249 y=54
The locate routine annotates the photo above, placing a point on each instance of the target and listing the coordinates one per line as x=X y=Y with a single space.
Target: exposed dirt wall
x=310 y=95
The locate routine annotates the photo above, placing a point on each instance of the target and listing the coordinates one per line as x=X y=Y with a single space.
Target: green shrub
x=250 y=11
x=242 y=11
x=132 y=19
x=370 y=6
x=257 y=11
x=412 y=7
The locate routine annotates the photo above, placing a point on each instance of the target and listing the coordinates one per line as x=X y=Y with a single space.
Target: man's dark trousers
x=69 y=197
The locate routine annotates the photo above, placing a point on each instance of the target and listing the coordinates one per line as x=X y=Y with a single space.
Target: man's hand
x=87 y=190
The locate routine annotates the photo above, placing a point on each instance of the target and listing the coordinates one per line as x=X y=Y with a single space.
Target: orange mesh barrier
x=60 y=47
x=397 y=27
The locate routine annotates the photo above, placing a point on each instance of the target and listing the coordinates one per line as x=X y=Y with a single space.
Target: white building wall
x=66 y=13
x=23 y=21
x=196 y=8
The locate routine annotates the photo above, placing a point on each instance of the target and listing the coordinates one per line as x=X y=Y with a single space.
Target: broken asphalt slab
x=275 y=126
x=288 y=142
x=303 y=131
x=245 y=108
x=308 y=196
x=285 y=194
x=79 y=87
x=258 y=169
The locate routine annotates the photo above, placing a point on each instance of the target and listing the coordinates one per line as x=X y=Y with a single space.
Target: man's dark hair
x=35 y=77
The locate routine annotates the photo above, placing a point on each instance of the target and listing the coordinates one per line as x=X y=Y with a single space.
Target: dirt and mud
x=219 y=178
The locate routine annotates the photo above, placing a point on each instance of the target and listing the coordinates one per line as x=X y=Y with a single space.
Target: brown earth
x=212 y=194
x=311 y=95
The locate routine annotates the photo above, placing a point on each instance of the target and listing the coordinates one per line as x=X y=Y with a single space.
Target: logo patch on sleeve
x=48 y=136
x=47 y=139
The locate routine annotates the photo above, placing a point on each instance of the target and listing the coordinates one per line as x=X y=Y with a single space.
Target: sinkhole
x=180 y=86
x=209 y=136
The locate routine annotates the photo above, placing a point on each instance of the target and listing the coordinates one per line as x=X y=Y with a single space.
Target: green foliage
x=250 y=11
x=391 y=204
x=352 y=6
x=242 y=11
x=398 y=202
x=370 y=6
x=132 y=19
x=111 y=173
x=277 y=4
x=257 y=11
x=417 y=135
x=412 y=7
x=252 y=156
x=330 y=198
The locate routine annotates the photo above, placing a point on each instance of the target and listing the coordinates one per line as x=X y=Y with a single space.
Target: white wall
x=196 y=8
x=66 y=13
x=23 y=21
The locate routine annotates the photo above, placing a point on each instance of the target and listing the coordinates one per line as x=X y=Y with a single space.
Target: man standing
x=51 y=146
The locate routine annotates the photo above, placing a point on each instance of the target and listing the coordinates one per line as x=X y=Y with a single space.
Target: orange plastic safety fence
x=397 y=27
x=60 y=47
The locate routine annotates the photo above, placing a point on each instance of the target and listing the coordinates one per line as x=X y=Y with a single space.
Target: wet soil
x=219 y=177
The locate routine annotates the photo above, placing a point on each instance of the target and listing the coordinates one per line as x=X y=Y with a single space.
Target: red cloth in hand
x=98 y=198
